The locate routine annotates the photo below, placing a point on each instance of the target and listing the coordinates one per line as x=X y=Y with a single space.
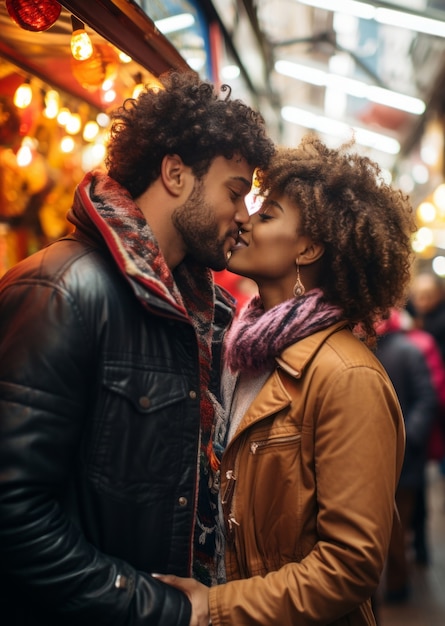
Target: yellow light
x=124 y=58
x=423 y=238
x=74 y=124
x=103 y=119
x=67 y=144
x=439 y=197
x=438 y=265
x=90 y=131
x=137 y=90
x=92 y=156
x=109 y=96
x=24 y=155
x=23 y=95
x=426 y=212
x=107 y=84
x=51 y=104
x=63 y=116
x=81 y=46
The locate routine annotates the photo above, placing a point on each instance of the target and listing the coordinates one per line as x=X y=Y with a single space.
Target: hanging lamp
x=34 y=15
x=81 y=45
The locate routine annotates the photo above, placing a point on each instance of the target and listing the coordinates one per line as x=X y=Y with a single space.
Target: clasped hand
x=197 y=593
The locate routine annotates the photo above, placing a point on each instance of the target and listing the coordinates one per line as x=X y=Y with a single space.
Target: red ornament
x=35 y=15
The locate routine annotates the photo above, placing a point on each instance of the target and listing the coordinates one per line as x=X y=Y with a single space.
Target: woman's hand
x=197 y=593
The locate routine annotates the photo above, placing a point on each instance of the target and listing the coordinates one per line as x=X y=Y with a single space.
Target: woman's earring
x=299 y=289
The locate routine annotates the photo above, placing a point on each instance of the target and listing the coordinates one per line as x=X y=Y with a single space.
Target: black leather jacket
x=99 y=432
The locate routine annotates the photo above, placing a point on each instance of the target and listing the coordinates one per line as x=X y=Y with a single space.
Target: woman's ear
x=173 y=174
x=311 y=253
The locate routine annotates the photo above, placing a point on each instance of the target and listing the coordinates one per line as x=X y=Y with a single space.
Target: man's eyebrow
x=241 y=179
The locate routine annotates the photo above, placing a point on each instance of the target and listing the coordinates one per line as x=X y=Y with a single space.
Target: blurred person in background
x=314 y=434
x=427 y=306
x=409 y=372
x=436 y=446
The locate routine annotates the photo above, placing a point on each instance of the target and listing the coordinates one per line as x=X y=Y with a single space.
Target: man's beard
x=195 y=221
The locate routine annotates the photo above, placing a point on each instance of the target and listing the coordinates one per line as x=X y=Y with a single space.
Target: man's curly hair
x=364 y=224
x=186 y=117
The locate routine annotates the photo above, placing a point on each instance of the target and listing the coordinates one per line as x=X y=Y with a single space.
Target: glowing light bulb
x=109 y=96
x=81 y=45
x=51 y=104
x=137 y=90
x=67 y=144
x=90 y=131
x=63 y=116
x=103 y=119
x=23 y=95
x=124 y=58
x=24 y=155
x=74 y=124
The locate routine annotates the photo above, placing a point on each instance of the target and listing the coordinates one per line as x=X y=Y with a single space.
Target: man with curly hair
x=107 y=472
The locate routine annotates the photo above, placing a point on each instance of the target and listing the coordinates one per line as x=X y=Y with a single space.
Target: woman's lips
x=240 y=243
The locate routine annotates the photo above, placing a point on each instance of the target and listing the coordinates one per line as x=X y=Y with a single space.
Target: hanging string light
x=52 y=104
x=90 y=131
x=25 y=152
x=81 y=45
x=139 y=85
x=74 y=124
x=34 y=15
x=23 y=94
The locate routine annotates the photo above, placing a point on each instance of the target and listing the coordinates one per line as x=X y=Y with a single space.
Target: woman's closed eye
x=263 y=217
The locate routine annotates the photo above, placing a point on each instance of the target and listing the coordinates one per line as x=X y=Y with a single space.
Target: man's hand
x=197 y=593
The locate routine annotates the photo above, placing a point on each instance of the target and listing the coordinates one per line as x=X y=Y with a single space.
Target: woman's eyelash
x=264 y=217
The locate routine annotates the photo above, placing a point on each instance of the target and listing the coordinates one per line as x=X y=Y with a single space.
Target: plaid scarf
x=257 y=336
x=102 y=205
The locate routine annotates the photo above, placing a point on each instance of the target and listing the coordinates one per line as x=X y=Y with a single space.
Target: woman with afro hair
x=313 y=438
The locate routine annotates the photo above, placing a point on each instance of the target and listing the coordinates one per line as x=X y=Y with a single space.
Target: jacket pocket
x=138 y=432
x=146 y=391
x=257 y=446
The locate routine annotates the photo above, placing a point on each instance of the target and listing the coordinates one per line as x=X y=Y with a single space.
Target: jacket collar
x=273 y=396
x=104 y=210
x=296 y=357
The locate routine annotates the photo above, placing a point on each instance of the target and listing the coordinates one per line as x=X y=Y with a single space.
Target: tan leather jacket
x=308 y=483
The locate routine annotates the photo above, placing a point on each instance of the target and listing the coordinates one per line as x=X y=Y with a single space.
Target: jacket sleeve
x=358 y=440
x=423 y=401
x=45 y=374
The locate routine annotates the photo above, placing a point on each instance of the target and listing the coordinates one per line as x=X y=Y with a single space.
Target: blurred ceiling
x=377 y=67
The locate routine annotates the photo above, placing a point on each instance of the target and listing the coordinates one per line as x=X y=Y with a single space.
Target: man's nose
x=242 y=214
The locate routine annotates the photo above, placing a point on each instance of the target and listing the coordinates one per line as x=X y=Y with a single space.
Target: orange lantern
x=92 y=72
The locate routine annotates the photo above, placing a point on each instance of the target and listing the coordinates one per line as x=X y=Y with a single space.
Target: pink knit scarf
x=257 y=336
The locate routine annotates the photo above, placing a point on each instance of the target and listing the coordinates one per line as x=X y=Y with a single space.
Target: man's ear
x=311 y=253
x=173 y=174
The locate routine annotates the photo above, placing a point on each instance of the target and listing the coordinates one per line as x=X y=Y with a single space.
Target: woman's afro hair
x=364 y=224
